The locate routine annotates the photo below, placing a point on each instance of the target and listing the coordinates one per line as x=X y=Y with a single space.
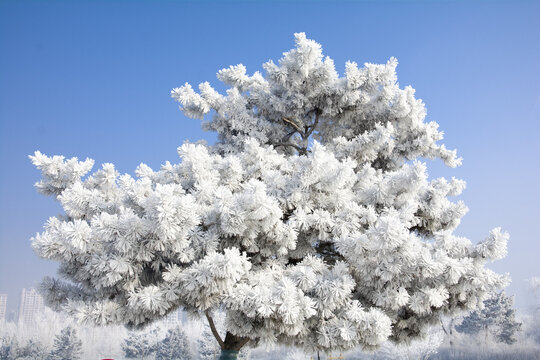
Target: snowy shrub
x=67 y=345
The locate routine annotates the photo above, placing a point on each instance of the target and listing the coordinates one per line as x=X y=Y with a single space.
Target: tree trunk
x=228 y=354
x=231 y=346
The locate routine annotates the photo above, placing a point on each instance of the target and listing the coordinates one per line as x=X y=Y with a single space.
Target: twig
x=442 y=325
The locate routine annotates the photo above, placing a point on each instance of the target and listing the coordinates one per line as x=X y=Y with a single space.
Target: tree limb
x=214 y=330
x=300 y=149
x=314 y=125
x=288 y=136
x=304 y=134
x=293 y=124
x=442 y=325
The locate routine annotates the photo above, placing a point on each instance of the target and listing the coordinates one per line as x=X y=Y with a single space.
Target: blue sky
x=92 y=79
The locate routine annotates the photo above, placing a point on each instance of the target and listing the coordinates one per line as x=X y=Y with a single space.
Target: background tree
x=534 y=283
x=67 y=346
x=310 y=222
x=140 y=344
x=32 y=350
x=418 y=349
x=12 y=349
x=9 y=348
x=207 y=346
x=244 y=353
x=497 y=318
x=174 y=346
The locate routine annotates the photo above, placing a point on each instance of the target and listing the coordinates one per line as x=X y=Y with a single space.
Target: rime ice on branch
x=311 y=221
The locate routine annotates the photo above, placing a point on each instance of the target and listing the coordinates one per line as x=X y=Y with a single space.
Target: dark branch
x=300 y=149
x=233 y=342
x=214 y=330
x=312 y=127
x=293 y=124
x=304 y=134
x=442 y=325
x=288 y=136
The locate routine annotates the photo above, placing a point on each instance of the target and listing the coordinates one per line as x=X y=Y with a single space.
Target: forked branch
x=312 y=127
x=304 y=134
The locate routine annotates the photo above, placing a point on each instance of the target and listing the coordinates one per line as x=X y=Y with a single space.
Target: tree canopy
x=310 y=222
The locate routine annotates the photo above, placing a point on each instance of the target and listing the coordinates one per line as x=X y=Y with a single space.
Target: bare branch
x=442 y=325
x=214 y=330
x=300 y=149
x=292 y=123
x=288 y=136
x=314 y=125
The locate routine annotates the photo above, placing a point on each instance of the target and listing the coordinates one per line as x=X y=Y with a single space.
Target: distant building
x=3 y=305
x=31 y=306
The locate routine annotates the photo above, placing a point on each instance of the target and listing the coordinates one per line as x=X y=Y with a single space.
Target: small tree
x=67 y=346
x=244 y=353
x=140 y=344
x=9 y=348
x=311 y=221
x=174 y=346
x=33 y=350
x=207 y=346
x=534 y=283
x=497 y=318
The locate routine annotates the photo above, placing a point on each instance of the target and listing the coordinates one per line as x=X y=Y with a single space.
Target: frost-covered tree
x=10 y=348
x=32 y=350
x=207 y=346
x=140 y=344
x=534 y=283
x=311 y=222
x=67 y=345
x=497 y=317
x=244 y=353
x=174 y=346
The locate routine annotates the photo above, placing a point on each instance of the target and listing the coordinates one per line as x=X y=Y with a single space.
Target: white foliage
x=310 y=221
x=419 y=349
x=297 y=354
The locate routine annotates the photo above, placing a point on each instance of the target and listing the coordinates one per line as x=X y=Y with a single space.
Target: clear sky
x=92 y=79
